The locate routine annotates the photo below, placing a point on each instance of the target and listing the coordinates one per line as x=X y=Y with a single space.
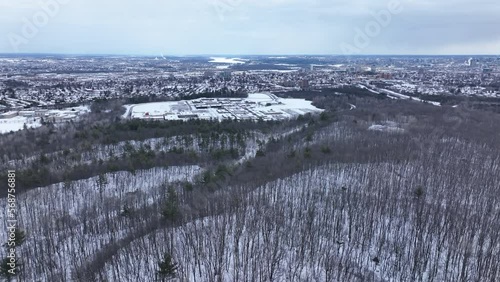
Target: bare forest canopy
x=373 y=189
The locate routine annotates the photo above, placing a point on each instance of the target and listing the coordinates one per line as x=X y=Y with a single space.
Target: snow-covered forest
x=383 y=191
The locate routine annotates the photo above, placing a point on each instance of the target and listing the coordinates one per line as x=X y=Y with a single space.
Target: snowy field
x=256 y=106
x=19 y=122
x=388 y=126
x=222 y=60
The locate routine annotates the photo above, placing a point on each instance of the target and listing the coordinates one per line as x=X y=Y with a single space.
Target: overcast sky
x=187 y=27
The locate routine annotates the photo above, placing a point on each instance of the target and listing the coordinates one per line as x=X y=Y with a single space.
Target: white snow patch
x=17 y=123
x=223 y=60
x=388 y=126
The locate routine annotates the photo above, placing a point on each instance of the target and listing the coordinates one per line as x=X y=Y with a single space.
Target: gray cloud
x=253 y=27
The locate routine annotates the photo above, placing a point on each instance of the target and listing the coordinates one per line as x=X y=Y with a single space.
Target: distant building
x=40 y=113
x=156 y=116
x=187 y=116
x=8 y=115
x=27 y=113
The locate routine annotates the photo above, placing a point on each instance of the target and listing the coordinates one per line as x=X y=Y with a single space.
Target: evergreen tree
x=260 y=153
x=419 y=192
x=102 y=180
x=167 y=268
x=171 y=209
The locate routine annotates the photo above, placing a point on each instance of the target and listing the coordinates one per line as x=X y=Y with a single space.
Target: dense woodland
x=387 y=190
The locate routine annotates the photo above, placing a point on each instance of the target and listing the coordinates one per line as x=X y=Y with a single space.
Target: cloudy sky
x=186 y=27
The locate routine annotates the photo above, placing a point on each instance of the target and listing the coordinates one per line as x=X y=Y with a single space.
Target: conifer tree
x=167 y=268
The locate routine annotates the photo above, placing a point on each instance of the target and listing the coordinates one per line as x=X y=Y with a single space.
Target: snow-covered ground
x=222 y=60
x=64 y=217
x=401 y=96
x=395 y=95
x=388 y=126
x=310 y=226
x=18 y=123
x=128 y=108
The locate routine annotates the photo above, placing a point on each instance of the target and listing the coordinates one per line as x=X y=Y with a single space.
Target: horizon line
x=232 y=55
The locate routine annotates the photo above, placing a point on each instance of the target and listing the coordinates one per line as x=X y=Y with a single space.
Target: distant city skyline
x=250 y=27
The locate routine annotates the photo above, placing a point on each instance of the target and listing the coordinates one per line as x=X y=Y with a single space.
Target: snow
x=223 y=60
x=401 y=96
x=128 y=108
x=259 y=97
x=79 y=110
x=273 y=70
x=369 y=89
x=257 y=106
x=388 y=126
x=385 y=128
x=138 y=111
x=395 y=95
x=42 y=210
x=298 y=103
x=247 y=230
x=301 y=225
x=17 y=123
